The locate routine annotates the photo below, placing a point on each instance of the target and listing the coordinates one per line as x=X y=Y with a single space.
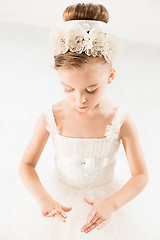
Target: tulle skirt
x=136 y=220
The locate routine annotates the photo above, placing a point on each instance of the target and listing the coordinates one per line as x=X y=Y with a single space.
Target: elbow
x=24 y=167
x=147 y=178
x=144 y=179
x=20 y=169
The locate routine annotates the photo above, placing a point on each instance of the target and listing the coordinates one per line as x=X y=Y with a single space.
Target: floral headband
x=89 y=36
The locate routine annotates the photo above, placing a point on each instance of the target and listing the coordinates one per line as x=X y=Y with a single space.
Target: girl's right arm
x=30 y=159
x=28 y=164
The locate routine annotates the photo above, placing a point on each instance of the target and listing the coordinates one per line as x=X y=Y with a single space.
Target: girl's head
x=79 y=71
x=84 y=87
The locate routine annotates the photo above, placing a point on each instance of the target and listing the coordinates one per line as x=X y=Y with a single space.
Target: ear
x=111 y=75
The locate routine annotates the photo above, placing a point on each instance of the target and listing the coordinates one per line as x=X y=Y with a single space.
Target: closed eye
x=90 y=92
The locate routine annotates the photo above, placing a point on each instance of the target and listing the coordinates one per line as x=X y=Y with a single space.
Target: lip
x=81 y=107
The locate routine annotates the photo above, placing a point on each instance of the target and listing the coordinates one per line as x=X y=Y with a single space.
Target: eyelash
x=86 y=90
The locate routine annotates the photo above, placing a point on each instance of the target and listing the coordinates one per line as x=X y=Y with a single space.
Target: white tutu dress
x=86 y=166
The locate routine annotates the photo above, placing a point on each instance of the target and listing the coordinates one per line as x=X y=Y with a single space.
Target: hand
x=51 y=208
x=99 y=215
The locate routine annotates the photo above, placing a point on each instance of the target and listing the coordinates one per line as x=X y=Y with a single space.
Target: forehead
x=81 y=77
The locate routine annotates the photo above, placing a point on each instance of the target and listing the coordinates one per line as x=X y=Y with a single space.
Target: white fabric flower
x=101 y=44
x=58 y=41
x=78 y=38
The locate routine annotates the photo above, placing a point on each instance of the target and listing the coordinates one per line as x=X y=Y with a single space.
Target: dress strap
x=112 y=131
x=50 y=119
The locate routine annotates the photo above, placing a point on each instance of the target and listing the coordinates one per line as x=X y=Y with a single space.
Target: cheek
x=70 y=96
x=94 y=97
x=98 y=94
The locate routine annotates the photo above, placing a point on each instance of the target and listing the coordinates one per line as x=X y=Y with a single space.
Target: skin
x=76 y=84
x=78 y=92
x=99 y=111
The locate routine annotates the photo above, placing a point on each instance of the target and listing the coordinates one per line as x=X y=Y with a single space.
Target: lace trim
x=112 y=131
x=47 y=120
x=51 y=125
x=54 y=126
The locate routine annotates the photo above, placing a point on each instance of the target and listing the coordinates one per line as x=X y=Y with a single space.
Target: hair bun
x=89 y=11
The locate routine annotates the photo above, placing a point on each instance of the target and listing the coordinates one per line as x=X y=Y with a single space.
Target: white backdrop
x=28 y=82
x=133 y=19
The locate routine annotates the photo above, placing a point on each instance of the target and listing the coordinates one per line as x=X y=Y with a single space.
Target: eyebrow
x=87 y=87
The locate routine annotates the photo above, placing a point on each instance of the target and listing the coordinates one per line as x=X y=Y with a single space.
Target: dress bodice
x=85 y=162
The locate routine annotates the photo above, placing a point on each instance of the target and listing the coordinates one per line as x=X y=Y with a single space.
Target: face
x=84 y=88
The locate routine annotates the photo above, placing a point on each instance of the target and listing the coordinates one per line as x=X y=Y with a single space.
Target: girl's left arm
x=137 y=164
x=102 y=210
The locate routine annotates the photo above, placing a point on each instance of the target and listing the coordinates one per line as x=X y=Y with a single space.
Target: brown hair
x=81 y=11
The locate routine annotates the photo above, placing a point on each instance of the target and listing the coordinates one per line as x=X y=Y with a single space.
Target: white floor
x=28 y=83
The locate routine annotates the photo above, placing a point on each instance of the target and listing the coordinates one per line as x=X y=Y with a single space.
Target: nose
x=80 y=99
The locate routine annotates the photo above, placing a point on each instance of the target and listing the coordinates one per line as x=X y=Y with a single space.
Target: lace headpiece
x=89 y=36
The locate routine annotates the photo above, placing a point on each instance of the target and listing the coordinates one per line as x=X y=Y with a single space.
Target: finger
x=58 y=216
x=91 y=216
x=47 y=212
x=92 y=226
x=56 y=213
x=44 y=212
x=52 y=213
x=90 y=223
x=101 y=225
x=62 y=213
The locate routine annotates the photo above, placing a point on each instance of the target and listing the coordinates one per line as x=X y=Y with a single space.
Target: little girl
x=83 y=197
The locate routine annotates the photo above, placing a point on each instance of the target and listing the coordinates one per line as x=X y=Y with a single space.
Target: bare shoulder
x=109 y=110
x=41 y=124
x=58 y=111
x=58 y=107
x=58 y=104
x=128 y=128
